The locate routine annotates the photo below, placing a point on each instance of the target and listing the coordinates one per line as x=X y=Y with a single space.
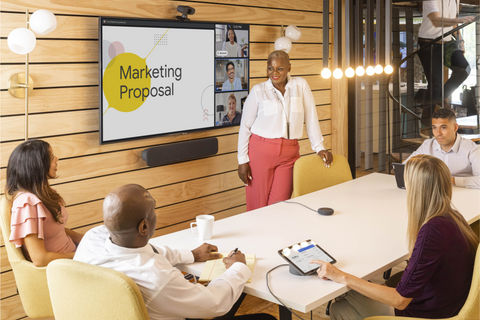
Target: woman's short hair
x=232 y=96
x=27 y=170
x=429 y=192
x=279 y=54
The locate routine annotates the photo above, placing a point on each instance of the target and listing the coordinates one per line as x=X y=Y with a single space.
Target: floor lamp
x=23 y=41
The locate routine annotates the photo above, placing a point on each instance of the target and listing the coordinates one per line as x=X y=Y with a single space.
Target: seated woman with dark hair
x=38 y=212
x=442 y=247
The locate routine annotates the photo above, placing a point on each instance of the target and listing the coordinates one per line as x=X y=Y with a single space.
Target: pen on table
x=234 y=251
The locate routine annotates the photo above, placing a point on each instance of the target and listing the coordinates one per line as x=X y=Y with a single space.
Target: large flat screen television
x=162 y=77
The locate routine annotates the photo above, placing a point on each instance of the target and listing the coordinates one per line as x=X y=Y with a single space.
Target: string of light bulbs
x=360 y=71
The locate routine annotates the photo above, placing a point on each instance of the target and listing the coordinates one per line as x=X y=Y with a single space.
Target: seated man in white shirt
x=122 y=244
x=232 y=83
x=462 y=156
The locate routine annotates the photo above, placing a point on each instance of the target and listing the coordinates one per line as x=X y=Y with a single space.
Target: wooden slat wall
x=64 y=111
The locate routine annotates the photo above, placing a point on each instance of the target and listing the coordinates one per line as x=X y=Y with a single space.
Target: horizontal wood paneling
x=69 y=27
x=307 y=5
x=167 y=10
x=305 y=51
x=51 y=100
x=87 y=143
x=54 y=51
x=63 y=75
x=271 y=33
x=41 y=125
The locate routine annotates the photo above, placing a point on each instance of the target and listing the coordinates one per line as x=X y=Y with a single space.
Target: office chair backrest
x=310 y=174
x=471 y=308
x=82 y=291
x=31 y=281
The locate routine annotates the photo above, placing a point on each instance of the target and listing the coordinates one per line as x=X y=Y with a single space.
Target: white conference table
x=366 y=235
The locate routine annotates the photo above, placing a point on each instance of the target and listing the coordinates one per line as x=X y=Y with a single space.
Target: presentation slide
x=156 y=80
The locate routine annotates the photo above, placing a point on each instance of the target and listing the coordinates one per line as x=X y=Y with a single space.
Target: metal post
x=326 y=38
x=369 y=86
x=411 y=121
x=382 y=93
x=358 y=80
x=26 y=84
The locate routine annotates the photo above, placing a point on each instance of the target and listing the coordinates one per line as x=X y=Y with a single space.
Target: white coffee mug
x=204 y=225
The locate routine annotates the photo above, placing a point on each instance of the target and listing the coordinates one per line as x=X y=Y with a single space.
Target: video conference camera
x=185 y=11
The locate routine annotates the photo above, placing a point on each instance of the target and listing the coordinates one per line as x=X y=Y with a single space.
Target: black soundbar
x=180 y=151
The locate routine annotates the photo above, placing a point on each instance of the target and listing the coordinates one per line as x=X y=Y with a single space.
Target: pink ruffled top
x=30 y=216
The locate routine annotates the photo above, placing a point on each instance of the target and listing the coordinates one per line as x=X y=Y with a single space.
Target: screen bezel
x=141 y=22
x=280 y=252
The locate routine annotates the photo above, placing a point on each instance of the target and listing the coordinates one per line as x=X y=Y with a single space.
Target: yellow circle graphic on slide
x=124 y=82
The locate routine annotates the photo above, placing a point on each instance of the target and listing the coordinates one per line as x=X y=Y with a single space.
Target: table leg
x=284 y=313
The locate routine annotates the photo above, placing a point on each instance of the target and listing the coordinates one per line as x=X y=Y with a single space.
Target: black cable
x=293 y=202
x=270 y=290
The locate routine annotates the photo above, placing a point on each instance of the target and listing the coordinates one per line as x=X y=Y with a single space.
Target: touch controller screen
x=301 y=254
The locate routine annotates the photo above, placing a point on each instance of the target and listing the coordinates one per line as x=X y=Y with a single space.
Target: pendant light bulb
x=338 y=73
x=388 y=69
x=360 y=71
x=370 y=71
x=378 y=69
x=326 y=73
x=349 y=72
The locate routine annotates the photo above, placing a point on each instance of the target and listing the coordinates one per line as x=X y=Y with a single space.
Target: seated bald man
x=462 y=156
x=122 y=244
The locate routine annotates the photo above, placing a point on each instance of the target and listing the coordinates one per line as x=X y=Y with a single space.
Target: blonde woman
x=442 y=247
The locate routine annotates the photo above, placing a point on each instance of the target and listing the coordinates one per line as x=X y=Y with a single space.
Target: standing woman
x=272 y=121
x=38 y=211
x=442 y=247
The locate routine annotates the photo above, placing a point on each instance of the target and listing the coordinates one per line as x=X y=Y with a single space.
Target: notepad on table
x=215 y=268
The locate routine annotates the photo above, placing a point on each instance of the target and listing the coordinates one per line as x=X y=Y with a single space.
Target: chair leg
x=327 y=311
x=386 y=274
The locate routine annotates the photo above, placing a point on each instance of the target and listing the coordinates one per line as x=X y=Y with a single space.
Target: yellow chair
x=31 y=281
x=471 y=308
x=309 y=174
x=82 y=291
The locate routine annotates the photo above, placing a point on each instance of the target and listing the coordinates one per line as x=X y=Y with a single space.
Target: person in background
x=122 y=244
x=442 y=248
x=462 y=156
x=272 y=121
x=38 y=211
x=231 y=46
x=232 y=116
x=232 y=83
x=435 y=14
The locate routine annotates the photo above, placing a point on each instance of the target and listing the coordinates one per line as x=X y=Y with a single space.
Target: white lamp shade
x=43 y=22
x=293 y=33
x=284 y=44
x=21 y=41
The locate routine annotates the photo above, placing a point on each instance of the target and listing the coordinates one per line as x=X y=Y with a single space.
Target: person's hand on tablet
x=329 y=272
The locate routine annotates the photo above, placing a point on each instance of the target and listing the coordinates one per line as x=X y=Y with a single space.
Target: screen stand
x=293 y=270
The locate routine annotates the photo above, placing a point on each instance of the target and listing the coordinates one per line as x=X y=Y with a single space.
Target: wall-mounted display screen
x=163 y=77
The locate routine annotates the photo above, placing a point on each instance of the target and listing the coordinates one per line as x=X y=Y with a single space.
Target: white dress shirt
x=166 y=293
x=266 y=110
x=427 y=29
x=463 y=160
x=237 y=85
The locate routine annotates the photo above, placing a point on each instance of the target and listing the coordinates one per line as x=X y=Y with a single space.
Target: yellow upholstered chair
x=31 y=281
x=82 y=291
x=309 y=174
x=471 y=308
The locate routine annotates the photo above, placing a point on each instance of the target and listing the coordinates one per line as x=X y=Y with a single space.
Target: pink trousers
x=271 y=163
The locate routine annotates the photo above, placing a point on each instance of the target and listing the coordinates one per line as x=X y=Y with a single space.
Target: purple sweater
x=439 y=274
